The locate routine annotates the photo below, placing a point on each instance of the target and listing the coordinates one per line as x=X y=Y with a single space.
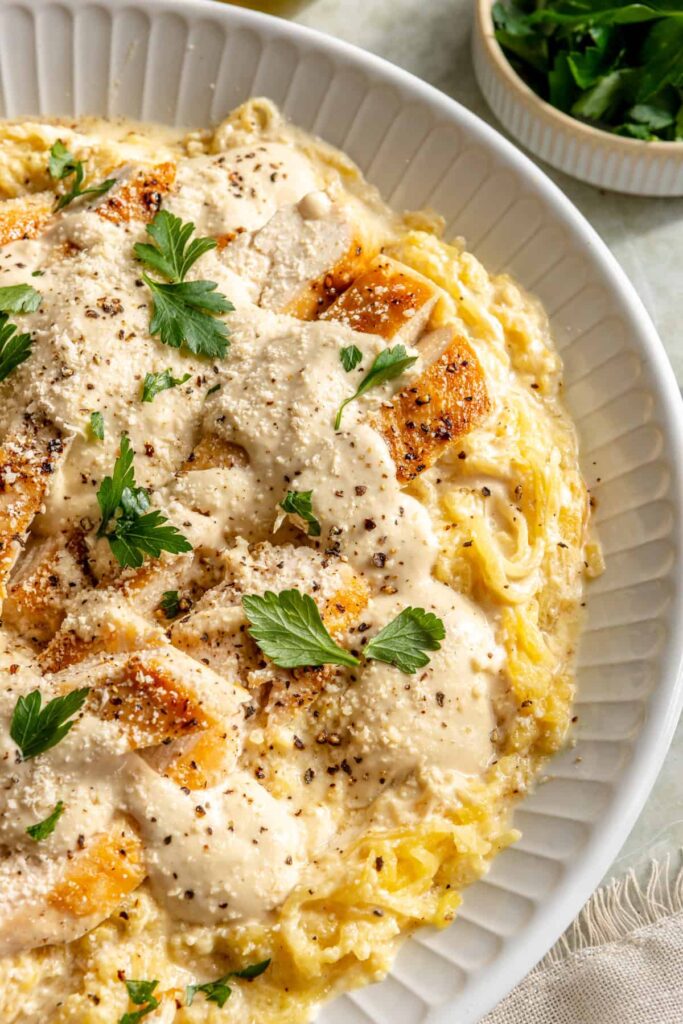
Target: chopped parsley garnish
x=389 y=364
x=136 y=531
x=141 y=993
x=36 y=729
x=64 y=165
x=96 y=425
x=405 y=639
x=42 y=829
x=350 y=357
x=213 y=390
x=618 y=66
x=155 y=383
x=170 y=603
x=288 y=628
x=299 y=503
x=14 y=348
x=182 y=311
x=19 y=298
x=219 y=991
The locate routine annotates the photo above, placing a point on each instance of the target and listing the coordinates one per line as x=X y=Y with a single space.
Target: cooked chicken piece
x=125 y=614
x=138 y=198
x=213 y=452
x=216 y=630
x=389 y=299
x=27 y=460
x=102 y=622
x=163 y=699
x=445 y=402
x=144 y=588
x=303 y=257
x=97 y=879
x=60 y=901
x=49 y=574
x=25 y=217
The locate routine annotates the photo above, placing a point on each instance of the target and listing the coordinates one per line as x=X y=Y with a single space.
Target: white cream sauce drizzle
x=279 y=390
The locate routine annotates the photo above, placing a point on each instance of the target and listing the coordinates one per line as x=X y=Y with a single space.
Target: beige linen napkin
x=621 y=962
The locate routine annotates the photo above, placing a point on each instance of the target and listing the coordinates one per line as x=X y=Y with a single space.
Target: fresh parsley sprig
x=404 y=640
x=300 y=503
x=182 y=311
x=389 y=364
x=135 y=532
x=288 y=628
x=62 y=165
x=14 y=348
x=140 y=993
x=36 y=729
x=42 y=829
x=350 y=357
x=155 y=383
x=19 y=298
x=219 y=991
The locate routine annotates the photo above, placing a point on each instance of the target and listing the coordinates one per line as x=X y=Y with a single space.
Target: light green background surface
x=431 y=38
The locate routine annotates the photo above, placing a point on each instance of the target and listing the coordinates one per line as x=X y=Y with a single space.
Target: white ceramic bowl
x=600 y=158
x=188 y=62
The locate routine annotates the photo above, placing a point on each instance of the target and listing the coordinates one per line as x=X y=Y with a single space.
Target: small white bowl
x=600 y=158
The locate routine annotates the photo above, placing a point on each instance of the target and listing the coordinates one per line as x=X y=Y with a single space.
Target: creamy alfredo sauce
x=233 y=851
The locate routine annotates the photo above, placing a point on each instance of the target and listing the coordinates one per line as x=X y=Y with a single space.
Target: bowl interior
x=188 y=63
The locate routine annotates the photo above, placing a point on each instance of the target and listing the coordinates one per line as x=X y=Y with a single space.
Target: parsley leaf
x=173 y=254
x=288 y=628
x=155 y=383
x=219 y=991
x=112 y=487
x=43 y=829
x=139 y=993
x=389 y=364
x=63 y=164
x=170 y=603
x=36 y=729
x=135 y=532
x=350 y=357
x=14 y=348
x=19 y=298
x=405 y=639
x=298 y=503
x=96 y=425
x=182 y=311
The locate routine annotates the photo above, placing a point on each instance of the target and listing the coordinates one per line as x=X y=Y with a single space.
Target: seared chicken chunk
x=66 y=897
x=25 y=217
x=445 y=402
x=48 y=576
x=388 y=299
x=27 y=461
x=162 y=699
x=304 y=257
